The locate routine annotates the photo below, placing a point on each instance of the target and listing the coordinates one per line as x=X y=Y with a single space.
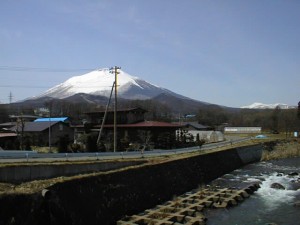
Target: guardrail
x=18 y=155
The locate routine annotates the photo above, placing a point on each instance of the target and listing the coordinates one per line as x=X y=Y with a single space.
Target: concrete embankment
x=105 y=198
x=28 y=172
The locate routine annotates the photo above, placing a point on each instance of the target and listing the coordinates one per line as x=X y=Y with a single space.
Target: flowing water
x=267 y=205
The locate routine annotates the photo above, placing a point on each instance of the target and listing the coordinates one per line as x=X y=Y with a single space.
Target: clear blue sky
x=232 y=52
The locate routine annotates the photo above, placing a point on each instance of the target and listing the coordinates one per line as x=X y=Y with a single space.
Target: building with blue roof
x=53 y=119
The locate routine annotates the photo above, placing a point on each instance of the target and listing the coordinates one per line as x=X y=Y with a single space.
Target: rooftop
x=145 y=124
x=35 y=127
x=52 y=119
x=119 y=110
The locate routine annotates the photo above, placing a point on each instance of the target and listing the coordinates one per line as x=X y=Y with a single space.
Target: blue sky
x=227 y=52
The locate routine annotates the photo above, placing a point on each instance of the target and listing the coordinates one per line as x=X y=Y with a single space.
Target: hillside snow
x=99 y=82
x=258 y=105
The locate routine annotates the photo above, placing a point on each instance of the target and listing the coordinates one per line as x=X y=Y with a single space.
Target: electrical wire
x=40 y=69
x=45 y=70
x=23 y=86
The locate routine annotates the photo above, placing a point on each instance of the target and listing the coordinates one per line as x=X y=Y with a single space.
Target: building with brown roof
x=132 y=128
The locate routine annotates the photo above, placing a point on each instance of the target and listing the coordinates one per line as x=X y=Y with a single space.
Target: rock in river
x=277 y=186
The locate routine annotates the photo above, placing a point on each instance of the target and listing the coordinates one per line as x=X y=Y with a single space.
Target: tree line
x=271 y=120
x=274 y=120
x=277 y=119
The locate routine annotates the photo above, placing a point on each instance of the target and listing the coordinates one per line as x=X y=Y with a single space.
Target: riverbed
x=267 y=205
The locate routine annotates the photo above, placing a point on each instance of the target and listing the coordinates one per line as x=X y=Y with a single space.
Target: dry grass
x=44 y=149
x=283 y=150
x=28 y=187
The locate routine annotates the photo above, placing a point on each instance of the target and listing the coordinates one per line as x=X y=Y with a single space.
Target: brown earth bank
x=104 y=198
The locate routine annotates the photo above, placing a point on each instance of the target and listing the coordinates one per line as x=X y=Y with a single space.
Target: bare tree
x=145 y=137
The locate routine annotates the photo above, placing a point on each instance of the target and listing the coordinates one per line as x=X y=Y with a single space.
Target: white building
x=242 y=130
x=207 y=136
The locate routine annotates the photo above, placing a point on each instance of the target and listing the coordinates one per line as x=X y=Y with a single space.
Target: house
x=242 y=130
x=7 y=140
x=53 y=119
x=195 y=126
x=25 y=118
x=43 y=131
x=8 y=137
x=208 y=136
x=14 y=120
x=4 y=127
x=124 y=116
x=131 y=127
x=194 y=130
x=38 y=131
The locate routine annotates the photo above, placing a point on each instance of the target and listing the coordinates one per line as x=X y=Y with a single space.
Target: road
x=32 y=156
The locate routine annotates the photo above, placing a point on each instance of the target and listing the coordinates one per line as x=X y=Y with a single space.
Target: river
x=267 y=205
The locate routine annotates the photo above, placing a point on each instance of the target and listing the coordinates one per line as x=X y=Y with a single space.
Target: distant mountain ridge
x=95 y=87
x=258 y=105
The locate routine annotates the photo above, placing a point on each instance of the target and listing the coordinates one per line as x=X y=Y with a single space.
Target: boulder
x=293 y=174
x=297 y=204
x=277 y=186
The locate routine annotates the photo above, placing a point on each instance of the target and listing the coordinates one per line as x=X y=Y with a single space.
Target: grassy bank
x=283 y=149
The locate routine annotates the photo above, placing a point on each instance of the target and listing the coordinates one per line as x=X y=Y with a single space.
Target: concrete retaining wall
x=104 y=199
x=18 y=174
x=250 y=154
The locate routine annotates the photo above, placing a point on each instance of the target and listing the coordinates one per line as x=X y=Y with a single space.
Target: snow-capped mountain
x=99 y=82
x=258 y=105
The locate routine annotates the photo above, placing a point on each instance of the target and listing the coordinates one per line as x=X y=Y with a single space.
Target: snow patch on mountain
x=258 y=105
x=99 y=82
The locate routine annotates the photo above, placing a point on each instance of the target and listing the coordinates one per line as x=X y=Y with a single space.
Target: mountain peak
x=97 y=82
x=101 y=77
x=95 y=87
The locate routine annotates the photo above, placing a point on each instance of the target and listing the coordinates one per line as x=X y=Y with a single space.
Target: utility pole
x=49 y=131
x=49 y=104
x=116 y=72
x=10 y=97
x=105 y=114
x=298 y=112
x=298 y=115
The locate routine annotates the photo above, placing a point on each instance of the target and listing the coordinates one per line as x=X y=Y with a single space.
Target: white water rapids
x=267 y=205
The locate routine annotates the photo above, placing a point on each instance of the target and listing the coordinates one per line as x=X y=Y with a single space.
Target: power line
x=36 y=86
x=45 y=70
x=23 y=86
